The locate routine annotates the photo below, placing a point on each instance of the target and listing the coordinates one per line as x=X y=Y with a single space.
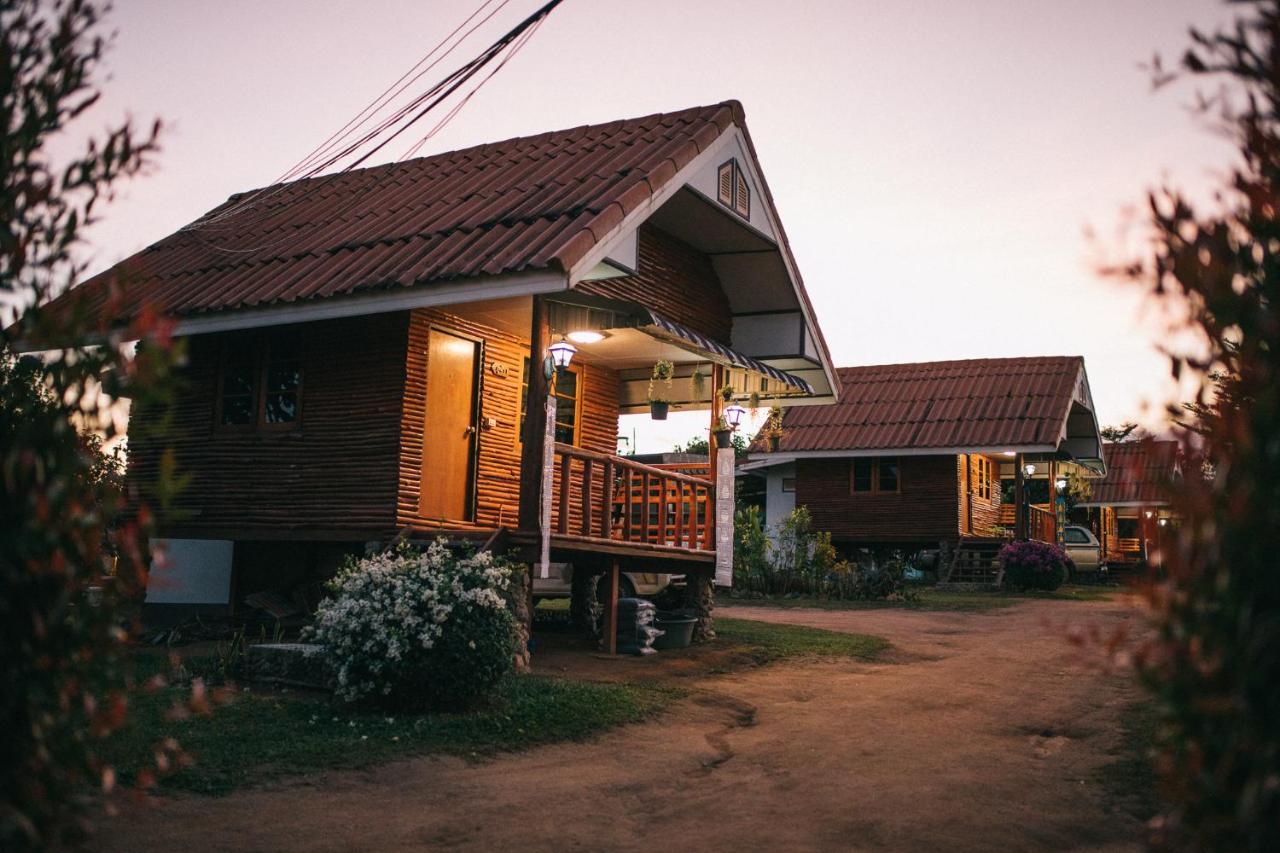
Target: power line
x=515 y=39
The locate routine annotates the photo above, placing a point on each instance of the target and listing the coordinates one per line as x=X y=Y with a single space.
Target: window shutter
x=726 y=183
x=741 y=195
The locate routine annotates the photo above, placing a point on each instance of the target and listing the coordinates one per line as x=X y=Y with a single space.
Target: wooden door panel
x=448 y=439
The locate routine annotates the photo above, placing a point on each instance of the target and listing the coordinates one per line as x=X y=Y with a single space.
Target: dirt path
x=983 y=733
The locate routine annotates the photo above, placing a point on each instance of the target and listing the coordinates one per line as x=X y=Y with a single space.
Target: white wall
x=777 y=503
x=190 y=571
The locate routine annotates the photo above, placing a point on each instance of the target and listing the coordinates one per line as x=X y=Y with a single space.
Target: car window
x=1075 y=536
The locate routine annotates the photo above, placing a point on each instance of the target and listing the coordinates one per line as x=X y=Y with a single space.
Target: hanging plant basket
x=775 y=442
x=658 y=409
x=724 y=438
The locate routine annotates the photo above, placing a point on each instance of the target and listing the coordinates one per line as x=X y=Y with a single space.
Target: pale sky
x=935 y=163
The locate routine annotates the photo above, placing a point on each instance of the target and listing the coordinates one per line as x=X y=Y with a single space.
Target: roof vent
x=733 y=189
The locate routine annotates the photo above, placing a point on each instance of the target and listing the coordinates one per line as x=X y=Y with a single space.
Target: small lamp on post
x=733 y=415
x=1029 y=469
x=559 y=356
x=1060 y=484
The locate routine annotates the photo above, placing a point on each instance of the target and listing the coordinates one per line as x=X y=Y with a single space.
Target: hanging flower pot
x=658 y=409
x=724 y=438
x=775 y=442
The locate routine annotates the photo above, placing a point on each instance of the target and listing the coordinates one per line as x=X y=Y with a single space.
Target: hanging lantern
x=1029 y=470
x=561 y=354
x=733 y=415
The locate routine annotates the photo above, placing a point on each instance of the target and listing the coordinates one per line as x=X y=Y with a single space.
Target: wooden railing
x=598 y=497
x=1041 y=523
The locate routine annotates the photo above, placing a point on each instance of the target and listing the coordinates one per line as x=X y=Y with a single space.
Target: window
x=260 y=383
x=1074 y=536
x=980 y=473
x=888 y=475
x=788 y=484
x=732 y=188
x=880 y=475
x=566 y=394
x=864 y=475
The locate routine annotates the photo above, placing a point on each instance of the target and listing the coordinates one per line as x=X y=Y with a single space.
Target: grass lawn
x=930 y=598
x=267 y=733
x=766 y=642
x=270 y=734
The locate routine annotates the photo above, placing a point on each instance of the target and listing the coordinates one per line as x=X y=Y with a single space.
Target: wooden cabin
x=368 y=353
x=1129 y=509
x=955 y=456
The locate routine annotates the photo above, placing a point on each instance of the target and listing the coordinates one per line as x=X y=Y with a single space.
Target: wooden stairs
x=974 y=565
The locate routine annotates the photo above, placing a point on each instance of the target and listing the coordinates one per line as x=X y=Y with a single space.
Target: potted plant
x=753 y=403
x=773 y=429
x=660 y=389
x=723 y=433
x=698 y=382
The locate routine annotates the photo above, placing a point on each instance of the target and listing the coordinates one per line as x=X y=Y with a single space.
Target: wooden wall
x=498 y=469
x=677 y=281
x=332 y=477
x=978 y=515
x=925 y=509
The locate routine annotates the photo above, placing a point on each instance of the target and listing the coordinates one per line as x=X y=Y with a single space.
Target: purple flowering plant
x=1030 y=564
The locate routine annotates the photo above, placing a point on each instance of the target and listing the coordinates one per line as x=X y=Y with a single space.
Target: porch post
x=1019 y=499
x=717 y=379
x=533 y=450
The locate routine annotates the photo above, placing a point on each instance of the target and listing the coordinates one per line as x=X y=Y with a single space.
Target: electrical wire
x=516 y=39
x=384 y=98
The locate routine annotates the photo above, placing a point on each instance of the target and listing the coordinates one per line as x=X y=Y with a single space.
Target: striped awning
x=655 y=325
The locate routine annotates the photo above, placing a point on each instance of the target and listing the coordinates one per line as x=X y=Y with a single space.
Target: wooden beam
x=611 y=609
x=717 y=380
x=1019 y=499
x=534 y=435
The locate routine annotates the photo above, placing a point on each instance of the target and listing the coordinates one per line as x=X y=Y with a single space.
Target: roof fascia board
x=452 y=293
x=914 y=451
x=677 y=182
x=1124 y=504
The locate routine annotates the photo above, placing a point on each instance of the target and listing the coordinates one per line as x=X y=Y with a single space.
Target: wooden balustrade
x=612 y=498
x=1041 y=523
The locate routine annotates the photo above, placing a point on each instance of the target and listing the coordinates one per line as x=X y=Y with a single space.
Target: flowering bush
x=418 y=628
x=1033 y=565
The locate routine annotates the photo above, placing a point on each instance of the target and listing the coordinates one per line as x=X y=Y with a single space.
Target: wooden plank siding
x=978 y=515
x=926 y=507
x=334 y=476
x=677 y=281
x=497 y=478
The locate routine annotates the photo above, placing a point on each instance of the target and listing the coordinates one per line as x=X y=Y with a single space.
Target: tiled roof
x=977 y=403
x=531 y=203
x=1138 y=472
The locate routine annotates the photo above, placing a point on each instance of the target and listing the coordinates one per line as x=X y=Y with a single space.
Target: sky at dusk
x=936 y=164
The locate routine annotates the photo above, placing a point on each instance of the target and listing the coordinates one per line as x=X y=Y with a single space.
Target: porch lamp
x=733 y=415
x=1029 y=470
x=1060 y=484
x=561 y=353
x=1164 y=522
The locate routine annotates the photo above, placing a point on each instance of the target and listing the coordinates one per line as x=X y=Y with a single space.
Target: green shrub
x=414 y=629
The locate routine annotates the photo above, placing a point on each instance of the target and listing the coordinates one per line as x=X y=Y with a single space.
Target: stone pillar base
x=699 y=599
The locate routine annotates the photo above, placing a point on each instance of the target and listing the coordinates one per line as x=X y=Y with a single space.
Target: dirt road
x=983 y=733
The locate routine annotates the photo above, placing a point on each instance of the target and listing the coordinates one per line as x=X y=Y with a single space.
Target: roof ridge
x=731 y=104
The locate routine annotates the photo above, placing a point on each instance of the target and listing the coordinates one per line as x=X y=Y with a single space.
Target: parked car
x=630 y=584
x=1084 y=551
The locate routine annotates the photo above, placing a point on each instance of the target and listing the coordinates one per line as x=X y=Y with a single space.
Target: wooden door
x=449 y=435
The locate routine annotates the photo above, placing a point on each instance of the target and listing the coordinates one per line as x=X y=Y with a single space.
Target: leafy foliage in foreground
x=65 y=529
x=1215 y=667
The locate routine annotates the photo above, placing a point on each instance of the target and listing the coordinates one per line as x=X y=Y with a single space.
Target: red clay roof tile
x=978 y=403
x=538 y=202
